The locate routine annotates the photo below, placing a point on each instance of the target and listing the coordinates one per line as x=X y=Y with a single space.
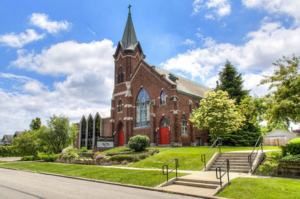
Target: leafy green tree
x=277 y=126
x=35 y=124
x=58 y=134
x=218 y=114
x=27 y=142
x=283 y=101
x=231 y=82
x=254 y=109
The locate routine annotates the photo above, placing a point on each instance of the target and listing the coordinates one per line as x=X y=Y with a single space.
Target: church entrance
x=121 y=135
x=164 y=132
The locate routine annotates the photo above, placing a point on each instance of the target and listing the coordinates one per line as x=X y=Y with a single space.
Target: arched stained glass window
x=83 y=132
x=120 y=106
x=90 y=133
x=120 y=75
x=163 y=98
x=183 y=125
x=97 y=126
x=142 y=109
x=164 y=122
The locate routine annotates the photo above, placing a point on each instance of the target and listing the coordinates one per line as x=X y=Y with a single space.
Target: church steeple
x=129 y=41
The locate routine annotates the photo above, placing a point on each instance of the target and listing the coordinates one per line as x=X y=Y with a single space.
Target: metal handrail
x=167 y=165
x=227 y=171
x=203 y=156
x=250 y=160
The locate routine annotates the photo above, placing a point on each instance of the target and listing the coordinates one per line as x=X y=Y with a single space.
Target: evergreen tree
x=231 y=81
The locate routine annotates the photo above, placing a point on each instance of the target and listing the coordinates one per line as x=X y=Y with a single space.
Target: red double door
x=164 y=135
x=121 y=136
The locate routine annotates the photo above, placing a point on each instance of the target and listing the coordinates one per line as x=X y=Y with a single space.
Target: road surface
x=25 y=185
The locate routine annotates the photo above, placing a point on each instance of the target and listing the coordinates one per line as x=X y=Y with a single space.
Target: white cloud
x=18 y=41
x=209 y=16
x=284 y=7
x=220 y=8
x=68 y=57
x=256 y=55
x=188 y=42
x=42 y=21
x=87 y=88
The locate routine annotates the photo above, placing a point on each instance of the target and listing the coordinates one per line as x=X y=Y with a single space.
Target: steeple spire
x=129 y=40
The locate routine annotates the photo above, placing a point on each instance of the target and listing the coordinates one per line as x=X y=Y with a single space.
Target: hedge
x=9 y=151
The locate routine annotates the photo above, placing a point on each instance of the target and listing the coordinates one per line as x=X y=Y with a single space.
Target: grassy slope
x=248 y=188
x=143 y=178
x=270 y=164
x=189 y=157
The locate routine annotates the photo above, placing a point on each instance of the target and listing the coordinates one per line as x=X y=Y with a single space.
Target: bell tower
x=128 y=53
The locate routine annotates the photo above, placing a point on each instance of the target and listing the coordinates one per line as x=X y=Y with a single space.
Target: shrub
x=292 y=147
x=49 y=158
x=291 y=158
x=31 y=158
x=9 y=151
x=138 y=142
x=121 y=158
x=143 y=156
x=67 y=156
x=83 y=150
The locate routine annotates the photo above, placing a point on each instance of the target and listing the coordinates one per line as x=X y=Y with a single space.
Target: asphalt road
x=25 y=185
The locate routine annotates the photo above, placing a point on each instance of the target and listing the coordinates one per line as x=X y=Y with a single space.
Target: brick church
x=146 y=100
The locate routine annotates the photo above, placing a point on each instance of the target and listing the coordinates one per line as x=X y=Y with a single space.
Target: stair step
x=234 y=170
x=233 y=161
x=233 y=164
x=233 y=158
x=199 y=181
x=232 y=167
x=196 y=184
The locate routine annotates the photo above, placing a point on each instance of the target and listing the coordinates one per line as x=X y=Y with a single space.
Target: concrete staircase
x=238 y=162
x=195 y=185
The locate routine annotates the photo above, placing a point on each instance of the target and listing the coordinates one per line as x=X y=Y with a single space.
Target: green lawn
x=189 y=157
x=124 y=176
x=270 y=164
x=249 y=188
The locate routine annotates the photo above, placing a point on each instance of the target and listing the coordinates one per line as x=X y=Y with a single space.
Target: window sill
x=162 y=105
x=120 y=112
x=184 y=136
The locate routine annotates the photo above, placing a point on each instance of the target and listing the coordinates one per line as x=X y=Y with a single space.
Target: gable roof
x=8 y=137
x=184 y=85
x=17 y=133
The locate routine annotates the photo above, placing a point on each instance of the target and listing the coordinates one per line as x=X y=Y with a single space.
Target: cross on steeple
x=129 y=9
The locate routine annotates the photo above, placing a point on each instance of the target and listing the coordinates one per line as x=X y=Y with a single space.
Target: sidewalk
x=10 y=159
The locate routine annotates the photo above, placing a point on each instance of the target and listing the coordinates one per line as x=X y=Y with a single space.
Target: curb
x=112 y=183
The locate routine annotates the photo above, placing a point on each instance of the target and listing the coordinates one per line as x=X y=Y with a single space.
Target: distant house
x=7 y=139
x=297 y=131
x=17 y=133
x=279 y=137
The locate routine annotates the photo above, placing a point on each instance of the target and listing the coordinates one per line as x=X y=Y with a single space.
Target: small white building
x=279 y=137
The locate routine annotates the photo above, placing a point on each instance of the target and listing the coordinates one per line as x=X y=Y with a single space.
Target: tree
x=58 y=134
x=35 y=124
x=277 y=126
x=27 y=142
x=231 y=82
x=218 y=114
x=283 y=101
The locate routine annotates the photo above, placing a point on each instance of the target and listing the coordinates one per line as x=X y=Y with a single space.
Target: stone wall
x=288 y=169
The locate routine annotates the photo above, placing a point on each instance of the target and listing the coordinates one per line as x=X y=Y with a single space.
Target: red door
x=164 y=135
x=121 y=138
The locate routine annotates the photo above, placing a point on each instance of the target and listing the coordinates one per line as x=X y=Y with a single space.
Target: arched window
x=83 y=132
x=120 y=106
x=164 y=122
x=196 y=106
x=120 y=75
x=97 y=126
x=142 y=109
x=90 y=133
x=183 y=125
x=163 y=98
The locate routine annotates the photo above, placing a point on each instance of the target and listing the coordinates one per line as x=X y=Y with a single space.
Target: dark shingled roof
x=184 y=85
x=129 y=41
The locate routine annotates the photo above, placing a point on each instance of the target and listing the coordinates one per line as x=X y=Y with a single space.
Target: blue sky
x=56 y=56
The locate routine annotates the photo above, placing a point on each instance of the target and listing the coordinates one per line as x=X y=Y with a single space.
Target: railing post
x=176 y=161
x=167 y=173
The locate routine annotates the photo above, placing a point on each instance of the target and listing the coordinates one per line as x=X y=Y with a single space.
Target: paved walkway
x=10 y=159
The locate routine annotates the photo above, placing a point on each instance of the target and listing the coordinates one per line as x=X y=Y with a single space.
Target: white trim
x=120 y=54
